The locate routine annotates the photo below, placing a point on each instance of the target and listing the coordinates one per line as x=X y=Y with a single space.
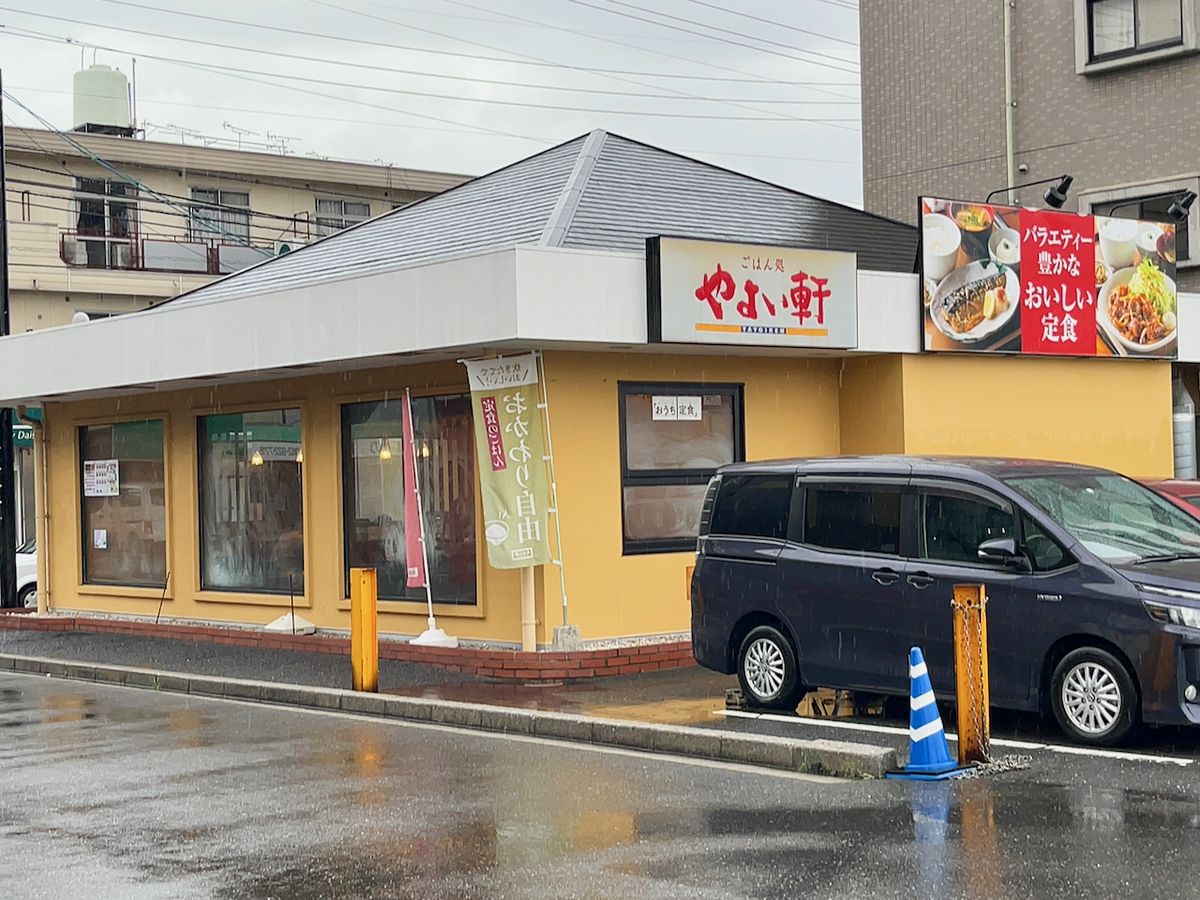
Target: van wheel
x=1093 y=696
x=27 y=598
x=767 y=670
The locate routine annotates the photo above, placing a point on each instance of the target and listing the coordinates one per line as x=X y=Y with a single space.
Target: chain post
x=971 y=673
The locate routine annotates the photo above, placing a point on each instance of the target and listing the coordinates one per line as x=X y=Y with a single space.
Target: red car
x=1184 y=494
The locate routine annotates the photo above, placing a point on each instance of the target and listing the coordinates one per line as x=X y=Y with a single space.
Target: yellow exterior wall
x=1114 y=414
x=1110 y=413
x=872 y=405
x=791 y=409
x=495 y=618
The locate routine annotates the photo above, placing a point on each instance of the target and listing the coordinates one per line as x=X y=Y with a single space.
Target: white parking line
x=996 y=742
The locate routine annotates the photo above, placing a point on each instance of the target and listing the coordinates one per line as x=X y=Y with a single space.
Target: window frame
x=261 y=596
x=1087 y=64
x=672 y=477
x=84 y=586
x=345 y=499
x=198 y=230
x=966 y=491
x=798 y=519
x=342 y=216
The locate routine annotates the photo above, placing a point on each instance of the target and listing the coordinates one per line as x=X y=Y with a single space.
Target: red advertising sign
x=1058 y=303
x=495 y=440
x=1000 y=279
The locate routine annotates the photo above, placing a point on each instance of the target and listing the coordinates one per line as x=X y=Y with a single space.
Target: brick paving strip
x=487 y=662
x=821 y=757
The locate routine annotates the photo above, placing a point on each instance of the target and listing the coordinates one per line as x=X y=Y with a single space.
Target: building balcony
x=138 y=253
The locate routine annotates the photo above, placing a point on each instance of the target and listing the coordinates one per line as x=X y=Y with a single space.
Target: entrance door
x=843 y=584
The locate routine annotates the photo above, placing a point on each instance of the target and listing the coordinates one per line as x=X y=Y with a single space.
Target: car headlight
x=1172 y=613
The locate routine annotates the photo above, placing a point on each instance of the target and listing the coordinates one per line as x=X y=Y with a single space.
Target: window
x=860 y=518
x=1045 y=554
x=251 y=511
x=222 y=216
x=1123 y=27
x=1151 y=209
x=122 y=482
x=106 y=221
x=753 y=505
x=954 y=524
x=334 y=215
x=374 y=494
x=673 y=438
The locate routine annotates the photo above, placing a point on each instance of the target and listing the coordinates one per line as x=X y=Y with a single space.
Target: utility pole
x=8 y=496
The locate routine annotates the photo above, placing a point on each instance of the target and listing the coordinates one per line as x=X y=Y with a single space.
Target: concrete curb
x=819 y=757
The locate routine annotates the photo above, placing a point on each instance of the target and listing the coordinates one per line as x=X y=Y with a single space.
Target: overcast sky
x=467 y=86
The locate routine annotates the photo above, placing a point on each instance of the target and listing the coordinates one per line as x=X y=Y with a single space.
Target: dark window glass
x=954 y=525
x=124 y=514
x=1045 y=554
x=862 y=519
x=673 y=438
x=753 y=505
x=374 y=494
x=251 y=506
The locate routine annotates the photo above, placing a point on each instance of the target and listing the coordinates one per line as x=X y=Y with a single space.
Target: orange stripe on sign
x=768 y=329
x=810 y=332
x=704 y=326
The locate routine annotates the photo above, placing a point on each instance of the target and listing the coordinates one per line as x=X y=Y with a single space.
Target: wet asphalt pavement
x=109 y=792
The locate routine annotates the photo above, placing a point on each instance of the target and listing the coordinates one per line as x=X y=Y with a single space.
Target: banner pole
x=432 y=636
x=545 y=405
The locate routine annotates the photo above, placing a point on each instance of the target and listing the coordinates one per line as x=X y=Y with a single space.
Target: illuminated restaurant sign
x=709 y=292
x=1000 y=279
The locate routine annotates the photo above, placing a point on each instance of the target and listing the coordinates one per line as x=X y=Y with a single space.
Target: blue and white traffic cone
x=929 y=756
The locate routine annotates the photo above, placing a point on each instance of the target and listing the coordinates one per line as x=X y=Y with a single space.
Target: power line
x=525 y=60
x=810 y=62
x=745 y=15
x=330 y=5
x=423 y=74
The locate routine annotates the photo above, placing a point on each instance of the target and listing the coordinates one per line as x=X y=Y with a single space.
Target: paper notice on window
x=690 y=409
x=100 y=538
x=665 y=409
x=101 y=478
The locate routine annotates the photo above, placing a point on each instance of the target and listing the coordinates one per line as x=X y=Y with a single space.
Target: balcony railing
x=137 y=253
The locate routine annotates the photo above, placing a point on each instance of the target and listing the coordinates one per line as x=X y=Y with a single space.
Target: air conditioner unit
x=284 y=247
x=74 y=253
x=122 y=256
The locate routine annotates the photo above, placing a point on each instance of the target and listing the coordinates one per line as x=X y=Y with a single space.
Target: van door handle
x=921 y=580
x=885 y=576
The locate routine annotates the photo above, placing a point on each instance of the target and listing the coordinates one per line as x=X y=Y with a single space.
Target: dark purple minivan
x=826 y=571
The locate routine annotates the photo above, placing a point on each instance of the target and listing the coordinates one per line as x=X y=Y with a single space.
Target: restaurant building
x=239 y=448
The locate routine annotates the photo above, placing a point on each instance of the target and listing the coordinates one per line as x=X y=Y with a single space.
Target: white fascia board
x=889 y=314
x=464 y=302
x=581 y=295
x=1189 y=327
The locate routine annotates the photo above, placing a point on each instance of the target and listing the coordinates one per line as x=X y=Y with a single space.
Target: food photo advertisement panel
x=1002 y=279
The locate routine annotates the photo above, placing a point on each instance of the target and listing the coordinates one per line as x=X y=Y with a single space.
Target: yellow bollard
x=364 y=629
x=971 y=673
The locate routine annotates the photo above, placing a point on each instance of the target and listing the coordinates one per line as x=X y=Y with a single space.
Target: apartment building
x=101 y=222
x=960 y=98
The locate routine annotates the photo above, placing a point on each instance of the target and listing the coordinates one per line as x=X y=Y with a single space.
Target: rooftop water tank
x=102 y=101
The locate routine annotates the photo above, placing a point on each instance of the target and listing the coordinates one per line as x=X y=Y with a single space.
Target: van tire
x=767 y=670
x=30 y=590
x=1094 y=698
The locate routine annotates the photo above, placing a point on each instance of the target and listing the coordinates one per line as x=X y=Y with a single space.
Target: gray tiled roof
x=599 y=191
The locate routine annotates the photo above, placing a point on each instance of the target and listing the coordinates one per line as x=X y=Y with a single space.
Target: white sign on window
x=100 y=538
x=677 y=409
x=101 y=478
x=665 y=409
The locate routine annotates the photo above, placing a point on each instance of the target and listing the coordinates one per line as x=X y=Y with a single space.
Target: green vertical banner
x=510 y=448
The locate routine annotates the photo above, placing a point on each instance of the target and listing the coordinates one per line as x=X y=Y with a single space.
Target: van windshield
x=1115 y=518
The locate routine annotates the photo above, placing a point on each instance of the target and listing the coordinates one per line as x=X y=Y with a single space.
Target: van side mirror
x=1001 y=552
